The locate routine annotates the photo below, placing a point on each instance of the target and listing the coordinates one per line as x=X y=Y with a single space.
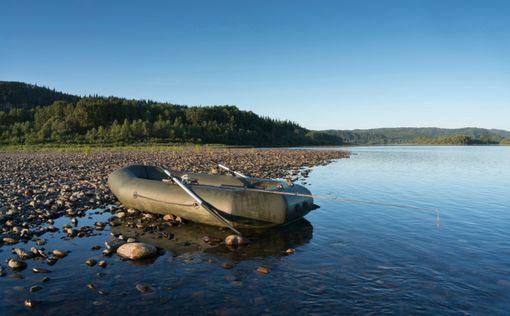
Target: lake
x=402 y=230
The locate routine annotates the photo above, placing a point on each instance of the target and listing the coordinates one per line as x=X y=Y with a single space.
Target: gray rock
x=114 y=244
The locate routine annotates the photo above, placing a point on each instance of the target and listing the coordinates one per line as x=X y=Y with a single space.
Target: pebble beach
x=50 y=203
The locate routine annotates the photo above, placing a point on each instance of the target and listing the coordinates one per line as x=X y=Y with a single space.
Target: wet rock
x=94 y=248
x=131 y=239
x=137 y=250
x=38 y=252
x=91 y=286
x=102 y=264
x=235 y=241
x=9 y=241
x=59 y=253
x=290 y=251
x=120 y=215
x=16 y=265
x=143 y=288
x=35 y=288
x=114 y=244
x=23 y=254
x=90 y=262
x=45 y=279
x=41 y=241
x=212 y=240
x=168 y=218
x=51 y=261
x=228 y=265
x=149 y=216
x=29 y=303
x=132 y=211
x=40 y=270
x=263 y=270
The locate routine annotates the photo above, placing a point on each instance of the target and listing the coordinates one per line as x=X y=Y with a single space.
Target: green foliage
x=116 y=121
x=505 y=141
x=22 y=95
x=461 y=136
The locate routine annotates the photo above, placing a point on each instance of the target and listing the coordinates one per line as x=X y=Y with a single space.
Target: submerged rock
x=29 y=303
x=228 y=265
x=263 y=270
x=136 y=250
x=235 y=241
x=16 y=265
x=143 y=288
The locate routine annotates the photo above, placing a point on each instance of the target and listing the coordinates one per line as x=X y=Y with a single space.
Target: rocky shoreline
x=36 y=189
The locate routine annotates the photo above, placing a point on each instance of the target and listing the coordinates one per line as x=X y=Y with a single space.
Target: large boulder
x=136 y=250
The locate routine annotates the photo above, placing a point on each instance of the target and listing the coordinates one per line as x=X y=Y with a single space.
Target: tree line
x=461 y=136
x=110 y=120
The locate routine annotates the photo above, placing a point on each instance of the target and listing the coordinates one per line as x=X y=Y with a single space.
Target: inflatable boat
x=241 y=202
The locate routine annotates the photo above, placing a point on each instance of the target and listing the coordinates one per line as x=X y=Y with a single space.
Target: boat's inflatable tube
x=147 y=188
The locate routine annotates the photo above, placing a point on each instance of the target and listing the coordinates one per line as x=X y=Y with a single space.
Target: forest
x=112 y=120
x=30 y=114
x=423 y=135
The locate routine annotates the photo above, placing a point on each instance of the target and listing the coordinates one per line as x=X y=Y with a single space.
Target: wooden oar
x=200 y=201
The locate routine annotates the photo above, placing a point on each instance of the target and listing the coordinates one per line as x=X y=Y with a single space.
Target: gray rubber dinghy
x=240 y=202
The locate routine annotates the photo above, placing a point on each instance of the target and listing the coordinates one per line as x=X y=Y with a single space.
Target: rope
x=353 y=201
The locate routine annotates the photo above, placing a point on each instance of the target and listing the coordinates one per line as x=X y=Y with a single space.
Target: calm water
x=351 y=258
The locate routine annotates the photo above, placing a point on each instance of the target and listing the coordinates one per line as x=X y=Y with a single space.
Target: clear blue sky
x=324 y=64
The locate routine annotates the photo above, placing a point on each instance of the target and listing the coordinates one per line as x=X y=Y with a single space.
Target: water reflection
x=189 y=239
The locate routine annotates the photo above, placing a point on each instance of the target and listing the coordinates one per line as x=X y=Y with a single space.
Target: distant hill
x=31 y=114
x=421 y=135
x=23 y=95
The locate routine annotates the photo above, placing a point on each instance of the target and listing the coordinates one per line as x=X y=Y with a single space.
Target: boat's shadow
x=193 y=239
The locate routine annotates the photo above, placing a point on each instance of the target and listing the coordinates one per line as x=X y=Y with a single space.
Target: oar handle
x=234 y=172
